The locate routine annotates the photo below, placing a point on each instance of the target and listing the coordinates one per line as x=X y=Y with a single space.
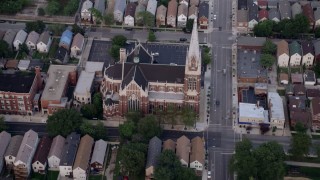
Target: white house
x=12 y=150
x=119 y=8
x=283 y=53
x=19 y=39
x=276 y=110
x=44 y=42
x=39 y=162
x=295 y=53
x=32 y=40
x=197 y=154
x=83 y=90
x=182 y=15
x=186 y=2
x=77 y=45
x=129 y=14
x=85 y=10
x=55 y=152
x=308 y=53
x=253 y=15
x=69 y=153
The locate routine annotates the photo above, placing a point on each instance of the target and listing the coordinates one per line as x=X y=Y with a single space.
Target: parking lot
x=168 y=53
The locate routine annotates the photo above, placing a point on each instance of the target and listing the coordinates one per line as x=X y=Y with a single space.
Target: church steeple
x=193 y=60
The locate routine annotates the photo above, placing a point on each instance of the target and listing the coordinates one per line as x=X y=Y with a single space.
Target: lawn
x=37 y=176
x=37 y=55
x=54 y=47
x=52 y=175
x=283 y=70
x=295 y=70
x=97 y=177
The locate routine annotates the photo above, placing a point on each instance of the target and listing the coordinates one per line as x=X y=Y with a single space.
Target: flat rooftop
x=252 y=111
x=84 y=83
x=57 y=79
x=94 y=66
x=19 y=83
x=249 y=64
x=276 y=106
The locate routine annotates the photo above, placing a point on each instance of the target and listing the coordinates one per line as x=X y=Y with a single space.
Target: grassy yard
x=97 y=177
x=281 y=92
x=54 y=47
x=37 y=55
x=295 y=70
x=52 y=175
x=37 y=176
x=283 y=70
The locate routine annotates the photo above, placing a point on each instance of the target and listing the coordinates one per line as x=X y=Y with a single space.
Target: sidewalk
x=35 y=118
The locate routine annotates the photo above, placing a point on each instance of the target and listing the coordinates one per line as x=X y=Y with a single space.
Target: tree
x=5 y=51
x=145 y=18
x=243 y=161
x=267 y=60
x=23 y=48
x=41 y=12
x=119 y=40
x=53 y=7
x=186 y=173
x=64 y=122
x=206 y=59
x=127 y=129
x=317 y=32
x=171 y=115
x=301 y=23
x=132 y=159
x=3 y=126
x=97 y=14
x=88 y=111
x=269 y=47
x=164 y=2
x=300 y=128
x=264 y=128
x=134 y=116
x=76 y=29
x=97 y=102
x=57 y=29
x=189 y=25
x=189 y=117
x=267 y=154
x=148 y=127
x=37 y=26
x=289 y=30
x=115 y=52
x=299 y=145
x=71 y=7
x=263 y=29
x=108 y=19
x=100 y=131
x=316 y=69
x=317 y=149
x=96 y=131
x=151 y=36
x=87 y=128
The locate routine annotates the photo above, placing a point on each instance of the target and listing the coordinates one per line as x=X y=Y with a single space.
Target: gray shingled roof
x=285 y=9
x=57 y=147
x=274 y=13
x=154 y=151
x=316 y=47
x=70 y=148
x=296 y=9
x=253 y=12
x=100 y=5
x=99 y=151
x=4 y=142
x=14 y=146
x=204 y=9
x=28 y=147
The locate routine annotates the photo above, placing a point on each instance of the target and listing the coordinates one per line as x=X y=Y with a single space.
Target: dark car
x=183 y=39
x=217 y=102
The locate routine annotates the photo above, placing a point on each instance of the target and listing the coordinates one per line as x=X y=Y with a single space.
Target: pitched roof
x=42 y=151
x=139 y=8
x=204 y=9
x=193 y=10
x=282 y=48
x=169 y=145
x=14 y=145
x=21 y=36
x=316 y=46
x=12 y=64
x=197 y=150
x=183 y=148
x=183 y=9
x=242 y=5
x=194 y=3
x=84 y=153
x=137 y=75
x=308 y=12
x=297 y=103
x=253 y=11
x=78 y=41
x=294 y=48
x=2 y=34
x=315 y=4
x=33 y=37
x=161 y=11
x=296 y=78
x=307 y=47
x=130 y=9
x=66 y=37
x=300 y=116
x=99 y=151
x=262 y=3
x=100 y=5
x=263 y=13
x=57 y=147
x=22 y=83
x=313 y=93
x=28 y=146
x=296 y=9
x=251 y=41
x=44 y=37
x=283 y=77
x=315 y=104
x=86 y=5
x=9 y=36
x=298 y=89
x=242 y=15
x=69 y=150
x=152 y=6
x=61 y=53
x=285 y=9
x=154 y=150
x=309 y=75
x=143 y=2
x=4 y=142
x=172 y=8
x=120 y=5
x=274 y=13
x=316 y=14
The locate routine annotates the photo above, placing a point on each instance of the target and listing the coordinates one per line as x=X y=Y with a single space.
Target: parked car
x=183 y=39
x=209 y=174
x=217 y=102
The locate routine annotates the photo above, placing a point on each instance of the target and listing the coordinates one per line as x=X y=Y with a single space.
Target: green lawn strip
x=54 y=47
x=52 y=175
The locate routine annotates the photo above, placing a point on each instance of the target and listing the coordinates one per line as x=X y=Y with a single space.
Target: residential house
x=253 y=15
x=81 y=164
x=86 y=10
x=19 y=39
x=44 y=42
x=152 y=6
x=4 y=143
x=289 y=90
x=274 y=15
x=315 y=5
x=276 y=110
x=194 y=3
x=316 y=46
x=299 y=116
x=129 y=14
x=99 y=5
x=69 y=153
x=203 y=17
x=262 y=4
x=186 y=2
x=172 y=13
x=154 y=151
x=84 y=89
x=35 y=64
x=197 y=154
x=22 y=164
x=312 y=93
x=39 y=162
x=252 y=115
x=23 y=65
x=138 y=19
x=283 y=53
x=297 y=103
x=307 y=52
x=169 y=145
x=296 y=78
x=143 y=2
x=12 y=151
x=242 y=18
x=3 y=63
x=273 y=4
x=110 y=6
x=308 y=12
x=242 y=5
x=263 y=15
x=296 y=9
x=183 y=150
x=285 y=9
x=283 y=78
x=182 y=15
x=32 y=40
x=251 y=43
x=316 y=18
x=66 y=39
x=61 y=55
x=55 y=153
x=295 y=53
x=315 y=113
x=119 y=8
x=9 y=37
x=299 y=90
x=193 y=12
x=309 y=78
x=161 y=16
x=98 y=156
x=77 y=45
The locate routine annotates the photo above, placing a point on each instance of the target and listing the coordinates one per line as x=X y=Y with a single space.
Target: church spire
x=194 y=51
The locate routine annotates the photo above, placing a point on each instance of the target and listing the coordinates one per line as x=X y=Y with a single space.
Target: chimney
x=258 y=103
x=123 y=55
x=39 y=80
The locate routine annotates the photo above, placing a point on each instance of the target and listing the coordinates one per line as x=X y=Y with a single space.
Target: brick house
x=315 y=113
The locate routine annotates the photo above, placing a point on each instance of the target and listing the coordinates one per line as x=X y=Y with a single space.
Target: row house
x=242 y=19
x=197 y=155
x=316 y=46
x=140 y=8
x=161 y=16
x=169 y=144
x=152 y=7
x=86 y=10
x=66 y=39
x=12 y=151
x=203 y=16
x=182 y=150
x=309 y=78
x=185 y=2
x=297 y=110
x=307 y=52
x=44 y=42
x=295 y=53
x=263 y=15
x=4 y=143
x=98 y=156
x=307 y=10
x=119 y=9
x=77 y=45
x=99 y=5
x=129 y=14
x=9 y=37
x=39 y=162
x=296 y=9
x=274 y=15
x=193 y=12
x=315 y=113
x=172 y=13
x=194 y=3
x=283 y=53
x=285 y=9
x=32 y=40
x=154 y=151
x=253 y=15
x=182 y=15
x=19 y=39
x=317 y=18
x=55 y=153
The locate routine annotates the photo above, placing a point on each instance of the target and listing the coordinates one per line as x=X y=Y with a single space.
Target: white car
x=209 y=175
x=155 y=54
x=214 y=17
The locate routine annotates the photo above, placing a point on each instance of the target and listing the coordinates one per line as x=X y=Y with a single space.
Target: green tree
x=289 y=30
x=263 y=29
x=53 y=7
x=41 y=12
x=299 y=145
x=77 y=29
x=3 y=126
x=87 y=128
x=269 y=47
x=37 y=26
x=71 y=7
x=148 y=127
x=108 y=19
x=188 y=117
x=132 y=160
x=317 y=32
x=97 y=14
x=189 y=25
x=164 y=2
x=151 y=36
x=300 y=128
x=267 y=60
x=127 y=129
x=171 y=115
x=56 y=29
x=243 y=161
x=23 y=48
x=145 y=18
x=100 y=131
x=97 y=131
x=115 y=52
x=186 y=173
x=206 y=59
x=5 y=51
x=88 y=111
x=119 y=40
x=134 y=116
x=316 y=69
x=64 y=122
x=267 y=154
x=301 y=23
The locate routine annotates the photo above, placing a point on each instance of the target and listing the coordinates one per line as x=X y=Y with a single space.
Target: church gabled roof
x=137 y=75
x=194 y=49
x=140 y=52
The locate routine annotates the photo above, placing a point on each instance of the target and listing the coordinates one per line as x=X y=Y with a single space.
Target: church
x=136 y=83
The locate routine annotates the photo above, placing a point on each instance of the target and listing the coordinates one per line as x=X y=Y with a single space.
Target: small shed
x=296 y=78
x=12 y=64
x=23 y=65
x=284 y=78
